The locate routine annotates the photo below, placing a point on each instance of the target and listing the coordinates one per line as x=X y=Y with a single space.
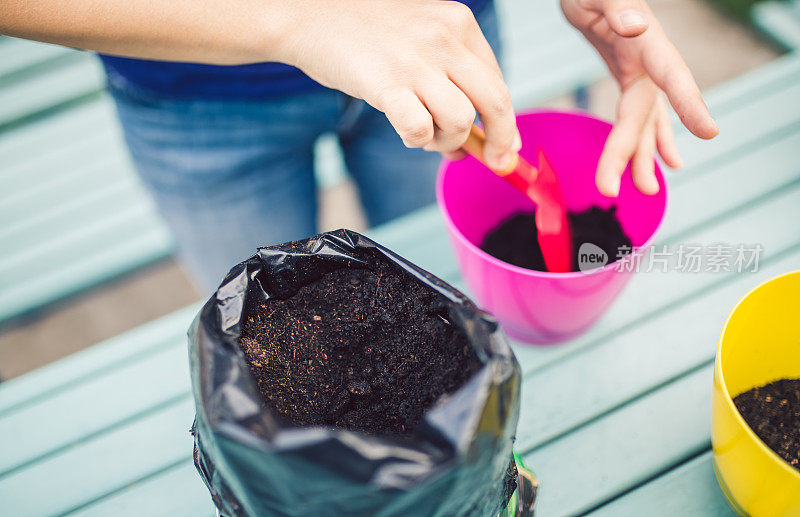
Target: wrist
x=280 y=23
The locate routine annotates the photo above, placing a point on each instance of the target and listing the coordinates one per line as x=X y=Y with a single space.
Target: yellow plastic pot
x=760 y=343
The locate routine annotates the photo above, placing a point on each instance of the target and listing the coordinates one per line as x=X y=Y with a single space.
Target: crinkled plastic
x=457 y=462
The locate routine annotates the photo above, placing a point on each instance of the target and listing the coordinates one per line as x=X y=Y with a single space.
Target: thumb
x=628 y=18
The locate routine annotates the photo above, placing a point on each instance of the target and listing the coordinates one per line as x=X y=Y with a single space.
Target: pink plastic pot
x=533 y=306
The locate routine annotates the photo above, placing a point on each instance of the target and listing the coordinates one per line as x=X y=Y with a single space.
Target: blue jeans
x=230 y=175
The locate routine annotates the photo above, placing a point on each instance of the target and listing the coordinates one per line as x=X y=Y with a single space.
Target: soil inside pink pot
x=514 y=240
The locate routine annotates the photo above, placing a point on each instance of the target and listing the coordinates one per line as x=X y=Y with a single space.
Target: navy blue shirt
x=191 y=80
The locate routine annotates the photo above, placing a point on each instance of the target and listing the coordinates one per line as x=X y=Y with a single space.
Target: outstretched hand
x=643 y=61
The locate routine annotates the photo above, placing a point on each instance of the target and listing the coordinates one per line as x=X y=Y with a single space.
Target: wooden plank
x=59 y=162
x=766 y=116
x=543 y=55
x=722 y=186
x=177 y=491
x=82 y=366
x=61 y=159
x=583 y=469
x=75 y=210
x=33 y=95
x=690 y=489
x=775 y=75
x=780 y=21
x=142 y=246
x=571 y=70
x=119 y=243
x=86 y=186
x=27 y=198
x=31 y=141
x=101 y=403
x=329 y=167
x=104 y=464
x=131 y=220
x=18 y=55
x=522 y=21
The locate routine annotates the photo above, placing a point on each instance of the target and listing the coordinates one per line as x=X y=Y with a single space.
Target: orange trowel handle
x=519 y=173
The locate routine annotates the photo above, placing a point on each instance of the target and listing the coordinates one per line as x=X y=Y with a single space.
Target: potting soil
x=366 y=350
x=515 y=239
x=773 y=413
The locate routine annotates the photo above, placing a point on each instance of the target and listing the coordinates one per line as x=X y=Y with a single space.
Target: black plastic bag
x=457 y=462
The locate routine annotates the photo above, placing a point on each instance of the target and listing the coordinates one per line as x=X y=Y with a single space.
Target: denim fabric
x=231 y=175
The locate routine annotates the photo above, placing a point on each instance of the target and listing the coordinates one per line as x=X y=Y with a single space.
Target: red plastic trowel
x=541 y=186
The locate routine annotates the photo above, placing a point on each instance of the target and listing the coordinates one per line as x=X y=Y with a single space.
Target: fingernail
x=517 y=145
x=630 y=18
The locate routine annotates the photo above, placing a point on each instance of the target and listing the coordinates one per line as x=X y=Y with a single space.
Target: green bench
x=780 y=21
x=615 y=422
x=72 y=211
x=70 y=200
x=37 y=79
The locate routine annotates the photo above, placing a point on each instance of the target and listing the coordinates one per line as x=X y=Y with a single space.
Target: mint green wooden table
x=615 y=422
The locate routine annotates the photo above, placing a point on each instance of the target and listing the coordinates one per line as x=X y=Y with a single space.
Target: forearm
x=206 y=31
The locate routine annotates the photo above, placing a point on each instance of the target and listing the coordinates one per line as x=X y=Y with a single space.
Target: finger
x=665 y=137
x=628 y=18
x=635 y=105
x=476 y=43
x=472 y=35
x=453 y=113
x=643 y=164
x=409 y=117
x=490 y=97
x=667 y=69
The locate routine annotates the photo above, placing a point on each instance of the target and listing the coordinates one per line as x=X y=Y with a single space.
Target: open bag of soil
x=333 y=377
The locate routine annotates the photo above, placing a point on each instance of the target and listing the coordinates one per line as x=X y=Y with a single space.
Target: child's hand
x=642 y=59
x=424 y=63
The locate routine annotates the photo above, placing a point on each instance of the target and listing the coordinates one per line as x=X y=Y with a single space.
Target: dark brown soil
x=366 y=350
x=773 y=412
x=515 y=240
